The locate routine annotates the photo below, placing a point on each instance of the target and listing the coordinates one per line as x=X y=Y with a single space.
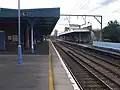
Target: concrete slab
x=31 y=75
x=61 y=80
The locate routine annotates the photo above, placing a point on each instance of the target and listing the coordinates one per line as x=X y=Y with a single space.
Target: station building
x=35 y=25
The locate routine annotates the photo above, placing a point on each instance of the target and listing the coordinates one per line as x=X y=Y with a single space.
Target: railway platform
x=97 y=48
x=45 y=71
x=63 y=80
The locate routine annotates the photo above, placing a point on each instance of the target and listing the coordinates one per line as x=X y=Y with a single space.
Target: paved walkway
x=31 y=75
x=34 y=73
x=61 y=79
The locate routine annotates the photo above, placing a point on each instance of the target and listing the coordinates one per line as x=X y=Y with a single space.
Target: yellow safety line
x=51 y=86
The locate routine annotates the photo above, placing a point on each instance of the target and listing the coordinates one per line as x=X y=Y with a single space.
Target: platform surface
x=61 y=80
x=31 y=75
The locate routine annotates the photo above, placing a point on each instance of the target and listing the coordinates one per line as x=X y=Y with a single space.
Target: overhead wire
x=96 y=8
x=104 y=4
x=85 y=4
x=116 y=11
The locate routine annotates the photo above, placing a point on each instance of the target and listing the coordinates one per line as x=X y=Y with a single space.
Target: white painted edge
x=74 y=84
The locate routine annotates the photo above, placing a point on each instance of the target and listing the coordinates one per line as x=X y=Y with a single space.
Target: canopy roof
x=44 y=19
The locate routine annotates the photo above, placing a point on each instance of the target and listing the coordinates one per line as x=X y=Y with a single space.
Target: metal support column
x=27 y=37
x=32 y=46
x=100 y=21
x=79 y=37
x=19 y=37
x=101 y=37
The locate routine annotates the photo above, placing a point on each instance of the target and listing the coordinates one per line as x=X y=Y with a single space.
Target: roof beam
x=79 y=15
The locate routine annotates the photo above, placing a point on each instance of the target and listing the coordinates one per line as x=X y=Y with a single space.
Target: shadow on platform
x=40 y=49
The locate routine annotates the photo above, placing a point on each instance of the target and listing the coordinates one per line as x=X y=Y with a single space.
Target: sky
x=109 y=9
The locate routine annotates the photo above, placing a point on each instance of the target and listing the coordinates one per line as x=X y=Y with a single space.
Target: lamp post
x=19 y=37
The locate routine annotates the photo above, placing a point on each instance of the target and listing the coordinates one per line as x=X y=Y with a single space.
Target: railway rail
x=113 y=54
x=91 y=74
x=97 y=59
x=112 y=58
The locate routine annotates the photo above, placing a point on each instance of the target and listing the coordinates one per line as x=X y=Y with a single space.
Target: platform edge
x=51 y=84
x=74 y=84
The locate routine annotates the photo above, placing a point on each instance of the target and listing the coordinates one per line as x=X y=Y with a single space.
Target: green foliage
x=112 y=31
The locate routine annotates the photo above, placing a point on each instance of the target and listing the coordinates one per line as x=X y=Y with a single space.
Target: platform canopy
x=74 y=31
x=44 y=19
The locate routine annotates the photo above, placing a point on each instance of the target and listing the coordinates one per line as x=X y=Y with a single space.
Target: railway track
x=96 y=76
x=112 y=58
x=97 y=59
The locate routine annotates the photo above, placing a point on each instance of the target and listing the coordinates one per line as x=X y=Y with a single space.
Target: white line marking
x=74 y=84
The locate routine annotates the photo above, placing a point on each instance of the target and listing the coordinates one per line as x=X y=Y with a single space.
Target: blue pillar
x=19 y=37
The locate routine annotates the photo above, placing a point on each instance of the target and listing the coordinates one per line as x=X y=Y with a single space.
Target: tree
x=112 y=31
